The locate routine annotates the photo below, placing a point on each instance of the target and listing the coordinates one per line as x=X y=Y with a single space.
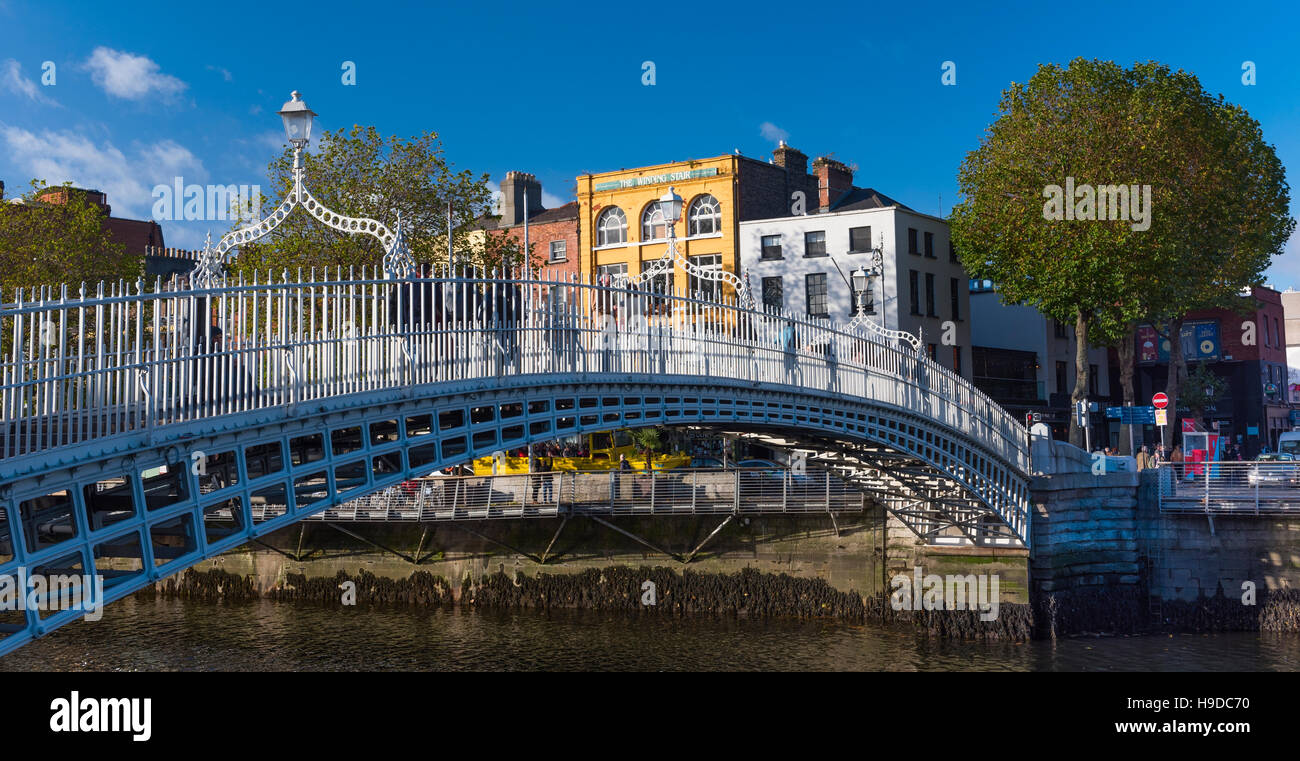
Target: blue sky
x=147 y=92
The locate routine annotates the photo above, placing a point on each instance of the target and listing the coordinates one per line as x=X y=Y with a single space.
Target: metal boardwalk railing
x=1236 y=488
x=609 y=493
x=125 y=358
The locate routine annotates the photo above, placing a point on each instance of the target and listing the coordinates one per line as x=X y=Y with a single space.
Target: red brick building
x=135 y=234
x=1247 y=350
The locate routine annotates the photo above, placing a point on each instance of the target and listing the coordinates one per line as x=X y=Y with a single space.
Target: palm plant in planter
x=648 y=441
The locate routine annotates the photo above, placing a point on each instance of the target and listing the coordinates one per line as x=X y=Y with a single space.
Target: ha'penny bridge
x=153 y=427
x=145 y=427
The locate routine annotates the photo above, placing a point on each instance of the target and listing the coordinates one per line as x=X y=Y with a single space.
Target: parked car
x=1274 y=469
x=704 y=462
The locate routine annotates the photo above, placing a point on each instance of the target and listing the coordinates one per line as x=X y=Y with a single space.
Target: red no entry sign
x=1160 y=401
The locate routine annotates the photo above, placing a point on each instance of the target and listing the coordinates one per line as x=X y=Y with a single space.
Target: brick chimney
x=512 y=197
x=834 y=179
x=793 y=160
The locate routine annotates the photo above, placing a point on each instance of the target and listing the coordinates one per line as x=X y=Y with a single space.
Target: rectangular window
x=954 y=293
x=1277 y=331
x=933 y=351
x=772 y=247
x=1268 y=341
x=702 y=287
x=1062 y=371
x=607 y=274
x=815 y=289
x=774 y=293
x=929 y=295
x=814 y=243
x=956 y=359
x=952 y=253
x=911 y=241
x=558 y=251
x=1058 y=329
x=914 y=280
x=1092 y=381
x=859 y=239
x=929 y=245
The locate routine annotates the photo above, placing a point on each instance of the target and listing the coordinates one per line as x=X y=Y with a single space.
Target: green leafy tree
x=360 y=173
x=1202 y=389
x=52 y=243
x=1216 y=213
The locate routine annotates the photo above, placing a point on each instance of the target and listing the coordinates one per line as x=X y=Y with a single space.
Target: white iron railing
x=1244 y=488
x=124 y=357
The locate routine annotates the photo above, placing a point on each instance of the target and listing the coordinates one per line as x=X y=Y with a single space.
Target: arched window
x=611 y=227
x=704 y=216
x=653 y=225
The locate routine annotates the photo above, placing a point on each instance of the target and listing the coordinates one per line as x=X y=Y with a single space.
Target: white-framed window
x=703 y=287
x=559 y=251
x=704 y=216
x=611 y=274
x=611 y=227
x=653 y=224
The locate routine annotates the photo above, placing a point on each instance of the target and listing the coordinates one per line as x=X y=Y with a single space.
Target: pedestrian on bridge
x=790 y=345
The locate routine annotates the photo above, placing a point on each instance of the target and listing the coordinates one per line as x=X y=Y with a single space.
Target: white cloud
x=12 y=79
x=128 y=76
x=772 y=133
x=128 y=179
x=225 y=73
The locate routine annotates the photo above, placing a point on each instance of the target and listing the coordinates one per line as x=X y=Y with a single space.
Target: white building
x=1291 y=313
x=1025 y=361
x=805 y=265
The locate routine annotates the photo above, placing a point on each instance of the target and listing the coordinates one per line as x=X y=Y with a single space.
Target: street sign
x=1160 y=401
x=1134 y=415
x=1162 y=417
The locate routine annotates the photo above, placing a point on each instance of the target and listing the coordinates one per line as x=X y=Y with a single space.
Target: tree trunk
x=1127 y=354
x=1080 y=375
x=1177 y=374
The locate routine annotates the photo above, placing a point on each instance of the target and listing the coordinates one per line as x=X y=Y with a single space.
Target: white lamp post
x=863 y=278
x=670 y=205
x=298 y=119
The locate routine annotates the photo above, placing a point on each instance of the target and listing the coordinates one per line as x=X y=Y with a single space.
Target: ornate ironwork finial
x=398 y=263
x=208 y=269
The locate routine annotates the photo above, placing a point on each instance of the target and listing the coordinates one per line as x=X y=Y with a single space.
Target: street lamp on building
x=298 y=119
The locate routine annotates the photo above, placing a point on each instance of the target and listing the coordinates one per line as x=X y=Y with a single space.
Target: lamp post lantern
x=671 y=205
x=298 y=119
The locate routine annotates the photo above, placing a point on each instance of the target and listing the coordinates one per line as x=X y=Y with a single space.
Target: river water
x=170 y=635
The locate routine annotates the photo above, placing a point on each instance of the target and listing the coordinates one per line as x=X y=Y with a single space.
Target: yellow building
x=622 y=229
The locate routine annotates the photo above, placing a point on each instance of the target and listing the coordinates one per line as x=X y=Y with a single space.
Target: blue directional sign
x=1136 y=415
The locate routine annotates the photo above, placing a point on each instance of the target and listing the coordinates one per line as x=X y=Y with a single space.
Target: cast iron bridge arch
x=317 y=390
